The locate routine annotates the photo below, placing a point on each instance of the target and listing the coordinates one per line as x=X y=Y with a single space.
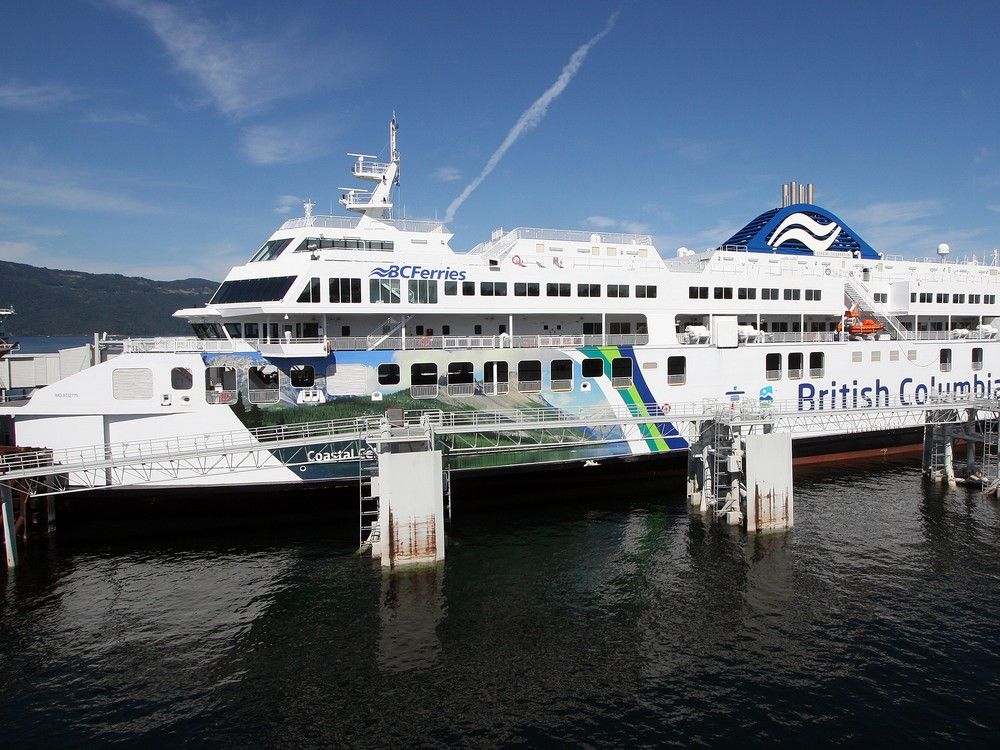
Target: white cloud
x=447 y=174
x=36 y=97
x=995 y=207
x=268 y=145
x=51 y=188
x=606 y=222
x=19 y=252
x=285 y=204
x=898 y=212
x=243 y=73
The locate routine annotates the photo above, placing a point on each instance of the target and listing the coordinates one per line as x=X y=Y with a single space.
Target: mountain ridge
x=65 y=302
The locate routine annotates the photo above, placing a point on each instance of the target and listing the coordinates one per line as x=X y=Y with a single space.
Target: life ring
x=517 y=261
x=828 y=272
x=328 y=346
x=665 y=408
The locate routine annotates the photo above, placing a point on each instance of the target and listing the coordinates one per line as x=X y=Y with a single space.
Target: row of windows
x=744 y=292
x=321 y=243
x=528 y=371
x=945 y=297
x=796 y=363
x=425 y=291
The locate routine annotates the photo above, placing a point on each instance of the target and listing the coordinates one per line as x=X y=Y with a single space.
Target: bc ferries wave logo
x=799 y=226
x=396 y=271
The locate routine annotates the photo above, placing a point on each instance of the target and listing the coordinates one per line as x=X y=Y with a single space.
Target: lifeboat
x=856 y=326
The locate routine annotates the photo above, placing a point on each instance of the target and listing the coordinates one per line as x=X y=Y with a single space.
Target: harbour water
x=604 y=616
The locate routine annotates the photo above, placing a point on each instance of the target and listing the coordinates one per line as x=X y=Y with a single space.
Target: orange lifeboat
x=855 y=326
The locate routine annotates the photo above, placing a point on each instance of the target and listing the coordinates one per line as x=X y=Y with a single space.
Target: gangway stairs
x=859 y=296
x=386 y=329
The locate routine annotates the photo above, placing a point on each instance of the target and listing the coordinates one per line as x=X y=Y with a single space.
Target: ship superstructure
x=349 y=315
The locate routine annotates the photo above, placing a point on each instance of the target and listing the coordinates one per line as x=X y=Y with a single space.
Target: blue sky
x=168 y=139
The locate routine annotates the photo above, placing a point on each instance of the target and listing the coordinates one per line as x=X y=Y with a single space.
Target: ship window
x=302 y=376
x=619 y=328
x=911 y=355
x=768 y=293
x=311 y=292
x=648 y=291
x=815 y=295
x=251 y=330
x=676 y=370
x=991 y=299
x=181 y=379
x=941 y=298
x=446 y=330
x=747 y=292
x=384 y=291
x=876 y=357
x=722 y=292
x=477 y=329
x=220 y=385
x=495 y=378
x=894 y=356
x=959 y=298
x=588 y=290
x=422 y=291
x=522 y=289
x=270 y=289
x=621 y=372
x=561 y=374
x=977 y=358
x=593 y=367
x=772 y=366
x=618 y=290
x=913 y=296
x=388 y=374
x=592 y=328
x=529 y=376
x=795 y=361
x=816 y=364
x=493 y=288
x=271 y=250
x=461 y=373
x=345 y=290
x=423 y=373
x=856 y=357
x=262 y=384
x=234 y=330
x=450 y=288
x=558 y=290
x=468 y=288
x=207 y=330
x=791 y=294
x=945 y=360
x=698 y=292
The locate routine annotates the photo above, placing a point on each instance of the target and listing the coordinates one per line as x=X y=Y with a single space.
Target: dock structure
x=739 y=456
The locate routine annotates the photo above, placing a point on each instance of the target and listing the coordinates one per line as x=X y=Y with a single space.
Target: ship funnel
x=796 y=192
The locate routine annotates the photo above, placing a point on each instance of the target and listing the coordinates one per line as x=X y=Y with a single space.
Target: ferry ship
x=340 y=316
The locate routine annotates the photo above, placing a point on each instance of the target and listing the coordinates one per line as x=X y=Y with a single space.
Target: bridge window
x=388 y=374
x=181 y=379
x=311 y=291
x=618 y=290
x=253 y=290
x=207 y=330
x=529 y=376
x=588 y=290
x=698 y=292
x=235 y=330
x=561 y=374
x=795 y=365
x=495 y=378
x=423 y=380
x=646 y=291
x=422 y=291
x=945 y=360
x=345 y=290
x=271 y=250
x=977 y=358
x=621 y=372
x=772 y=366
x=676 y=370
x=302 y=376
x=593 y=367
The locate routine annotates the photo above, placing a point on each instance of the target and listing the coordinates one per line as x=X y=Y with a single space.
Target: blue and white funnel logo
x=799 y=226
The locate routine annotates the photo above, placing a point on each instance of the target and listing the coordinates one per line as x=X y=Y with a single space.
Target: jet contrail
x=532 y=115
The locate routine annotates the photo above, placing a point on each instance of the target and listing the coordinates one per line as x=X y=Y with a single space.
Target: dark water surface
x=618 y=619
